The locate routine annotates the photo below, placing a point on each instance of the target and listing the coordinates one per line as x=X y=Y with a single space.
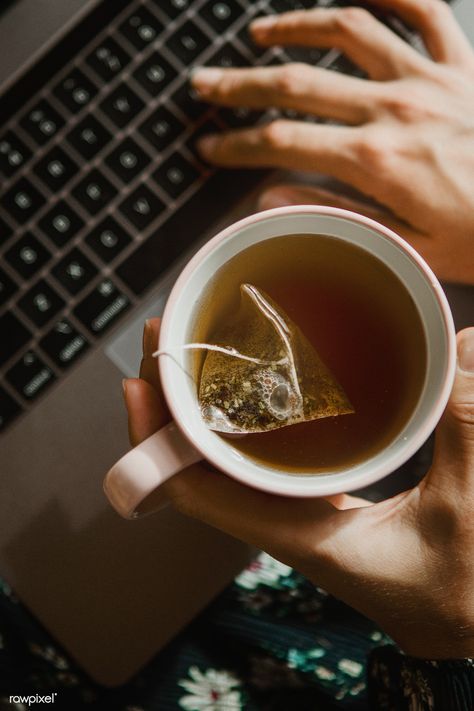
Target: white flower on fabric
x=351 y=668
x=210 y=691
x=264 y=570
x=324 y=673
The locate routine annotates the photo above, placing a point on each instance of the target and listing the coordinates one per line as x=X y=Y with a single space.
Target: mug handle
x=142 y=470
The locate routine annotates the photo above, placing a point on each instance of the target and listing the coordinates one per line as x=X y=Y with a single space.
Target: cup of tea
x=373 y=311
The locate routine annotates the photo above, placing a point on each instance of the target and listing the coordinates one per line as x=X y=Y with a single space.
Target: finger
x=149 y=365
x=354 y=30
x=426 y=246
x=290 y=144
x=293 y=86
x=288 y=529
x=305 y=195
x=146 y=414
x=453 y=464
x=443 y=37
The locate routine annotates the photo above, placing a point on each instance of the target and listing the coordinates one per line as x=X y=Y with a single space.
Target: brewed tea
x=362 y=322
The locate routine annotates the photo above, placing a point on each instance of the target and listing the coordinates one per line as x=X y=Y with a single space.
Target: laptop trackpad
x=125 y=350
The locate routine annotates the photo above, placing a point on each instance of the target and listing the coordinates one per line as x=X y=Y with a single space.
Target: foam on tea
x=266 y=374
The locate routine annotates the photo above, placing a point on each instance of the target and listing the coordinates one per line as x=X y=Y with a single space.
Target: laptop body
x=103 y=199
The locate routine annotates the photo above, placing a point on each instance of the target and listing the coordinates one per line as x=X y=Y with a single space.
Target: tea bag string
x=220 y=349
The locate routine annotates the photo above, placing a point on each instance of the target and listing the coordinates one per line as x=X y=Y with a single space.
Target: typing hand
x=405 y=136
x=407 y=562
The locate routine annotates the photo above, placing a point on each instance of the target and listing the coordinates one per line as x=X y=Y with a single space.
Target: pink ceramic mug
x=187 y=440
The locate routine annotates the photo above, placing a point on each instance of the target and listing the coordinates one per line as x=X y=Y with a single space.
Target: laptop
x=103 y=199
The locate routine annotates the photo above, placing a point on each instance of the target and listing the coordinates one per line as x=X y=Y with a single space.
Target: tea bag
x=262 y=373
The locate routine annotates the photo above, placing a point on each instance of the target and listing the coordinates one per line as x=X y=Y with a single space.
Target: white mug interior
x=180 y=315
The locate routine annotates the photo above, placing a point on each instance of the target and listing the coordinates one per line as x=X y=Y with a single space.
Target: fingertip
x=261 y=28
x=207 y=145
x=465 y=347
x=279 y=197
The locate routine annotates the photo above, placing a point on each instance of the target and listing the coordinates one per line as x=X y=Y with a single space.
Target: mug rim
x=324 y=483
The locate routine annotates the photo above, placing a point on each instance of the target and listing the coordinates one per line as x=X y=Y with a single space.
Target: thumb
x=454 y=448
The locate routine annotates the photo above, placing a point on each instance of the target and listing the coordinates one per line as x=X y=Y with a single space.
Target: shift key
x=13 y=336
x=102 y=307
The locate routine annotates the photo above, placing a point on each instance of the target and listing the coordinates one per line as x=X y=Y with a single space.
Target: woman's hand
x=407 y=562
x=406 y=137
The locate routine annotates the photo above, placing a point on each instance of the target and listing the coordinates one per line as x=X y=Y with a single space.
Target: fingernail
x=263 y=24
x=466 y=351
x=204 y=80
x=124 y=386
x=207 y=144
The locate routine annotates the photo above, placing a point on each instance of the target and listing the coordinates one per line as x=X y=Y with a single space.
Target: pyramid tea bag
x=262 y=373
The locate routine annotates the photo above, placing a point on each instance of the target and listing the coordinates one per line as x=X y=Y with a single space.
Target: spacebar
x=209 y=204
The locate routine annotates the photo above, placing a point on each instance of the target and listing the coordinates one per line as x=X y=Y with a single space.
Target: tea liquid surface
x=364 y=325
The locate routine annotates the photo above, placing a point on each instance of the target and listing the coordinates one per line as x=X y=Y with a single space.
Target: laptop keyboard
x=102 y=187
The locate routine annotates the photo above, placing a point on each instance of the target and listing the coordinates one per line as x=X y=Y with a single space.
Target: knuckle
x=373 y=152
x=274 y=135
x=351 y=20
x=463 y=414
x=404 y=106
x=287 y=78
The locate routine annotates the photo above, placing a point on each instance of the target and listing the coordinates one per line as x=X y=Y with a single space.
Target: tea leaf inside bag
x=264 y=373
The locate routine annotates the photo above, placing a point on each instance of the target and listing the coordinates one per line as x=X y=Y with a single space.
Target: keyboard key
x=94 y=192
x=13 y=154
x=245 y=38
x=287 y=5
x=27 y=256
x=22 y=201
x=127 y=160
x=5 y=231
x=141 y=28
x=175 y=175
x=227 y=56
x=173 y=8
x=64 y=344
x=309 y=55
x=102 y=307
x=208 y=204
x=239 y=116
x=155 y=74
x=7 y=288
x=13 y=336
x=75 y=91
x=161 y=128
x=74 y=271
x=221 y=14
x=9 y=409
x=41 y=303
x=141 y=207
x=56 y=169
x=186 y=99
x=122 y=105
x=108 y=239
x=89 y=137
x=188 y=42
x=30 y=375
x=108 y=59
x=61 y=223
x=42 y=122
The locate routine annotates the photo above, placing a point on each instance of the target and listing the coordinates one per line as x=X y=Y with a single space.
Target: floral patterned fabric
x=271 y=642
